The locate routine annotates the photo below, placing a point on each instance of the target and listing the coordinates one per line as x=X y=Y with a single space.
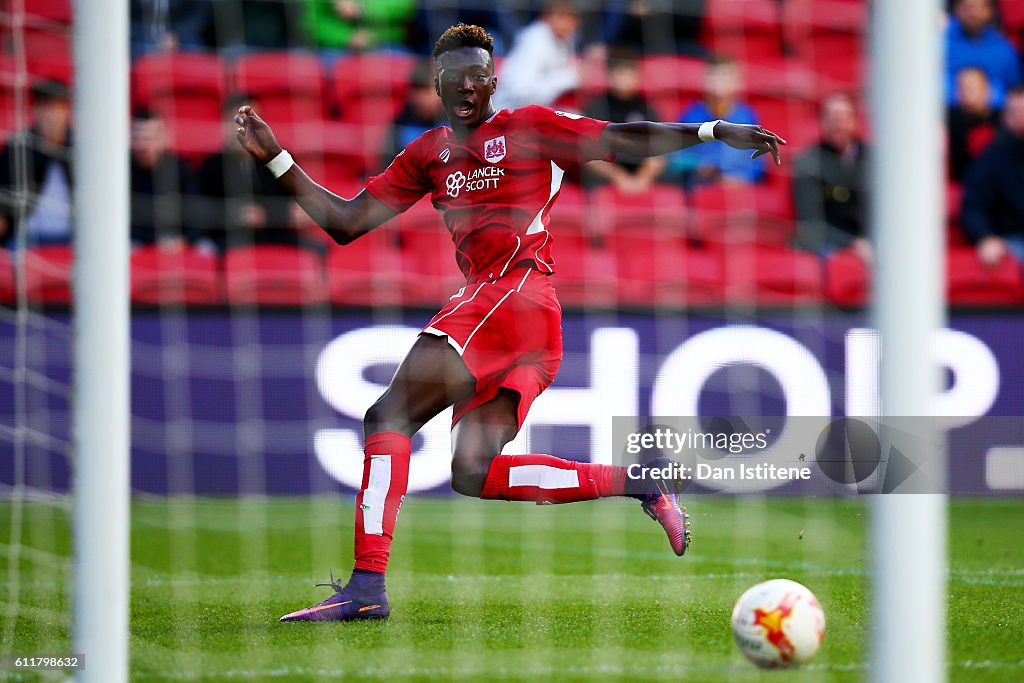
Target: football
x=778 y=623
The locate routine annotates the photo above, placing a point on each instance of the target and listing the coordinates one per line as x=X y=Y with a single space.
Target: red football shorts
x=509 y=334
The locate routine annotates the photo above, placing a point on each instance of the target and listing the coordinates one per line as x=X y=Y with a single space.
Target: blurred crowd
x=548 y=52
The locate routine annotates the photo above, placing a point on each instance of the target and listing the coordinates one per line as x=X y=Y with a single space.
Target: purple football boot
x=362 y=597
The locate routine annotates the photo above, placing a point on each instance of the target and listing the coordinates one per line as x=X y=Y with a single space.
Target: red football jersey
x=496 y=186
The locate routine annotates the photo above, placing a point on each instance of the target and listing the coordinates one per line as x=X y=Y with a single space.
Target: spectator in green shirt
x=358 y=25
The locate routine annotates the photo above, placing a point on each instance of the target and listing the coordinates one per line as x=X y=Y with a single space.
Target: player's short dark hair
x=1015 y=91
x=464 y=35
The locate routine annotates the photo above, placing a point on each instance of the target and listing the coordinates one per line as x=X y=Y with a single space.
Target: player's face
x=465 y=82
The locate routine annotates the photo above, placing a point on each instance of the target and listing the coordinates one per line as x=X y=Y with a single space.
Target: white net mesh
x=705 y=284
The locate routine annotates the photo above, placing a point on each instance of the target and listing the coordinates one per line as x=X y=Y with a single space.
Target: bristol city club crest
x=494 y=150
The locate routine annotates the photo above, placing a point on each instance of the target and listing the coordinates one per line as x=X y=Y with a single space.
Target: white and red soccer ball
x=778 y=623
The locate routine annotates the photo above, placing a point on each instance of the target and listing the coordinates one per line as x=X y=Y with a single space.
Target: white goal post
x=100 y=407
x=907 y=540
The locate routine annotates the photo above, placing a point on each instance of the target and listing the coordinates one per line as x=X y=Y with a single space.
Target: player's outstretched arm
x=648 y=139
x=342 y=219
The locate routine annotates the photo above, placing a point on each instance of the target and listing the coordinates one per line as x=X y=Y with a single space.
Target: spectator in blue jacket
x=993 y=202
x=713 y=163
x=972 y=39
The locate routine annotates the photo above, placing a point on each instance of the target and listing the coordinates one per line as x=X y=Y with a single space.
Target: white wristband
x=280 y=164
x=706 y=132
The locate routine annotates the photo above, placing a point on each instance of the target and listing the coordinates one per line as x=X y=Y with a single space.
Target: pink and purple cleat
x=661 y=503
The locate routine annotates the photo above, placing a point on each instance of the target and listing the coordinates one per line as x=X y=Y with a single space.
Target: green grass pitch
x=489 y=591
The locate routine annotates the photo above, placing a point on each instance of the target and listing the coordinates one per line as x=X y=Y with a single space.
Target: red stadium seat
x=367 y=272
x=972 y=284
x=185 y=276
x=732 y=214
x=371 y=87
x=671 y=83
x=838 y=58
x=288 y=85
x=429 y=272
x=9 y=86
x=368 y=90
x=747 y=30
x=782 y=78
x=273 y=274
x=356 y=149
x=568 y=215
x=1013 y=15
x=593 y=79
x=795 y=119
x=847 y=278
x=180 y=85
x=187 y=89
x=801 y=17
x=53 y=11
x=195 y=140
x=955 y=236
x=342 y=154
x=48 y=274
x=662 y=206
x=773 y=276
x=782 y=93
x=48 y=54
x=659 y=269
x=829 y=37
x=7 y=290
x=585 y=273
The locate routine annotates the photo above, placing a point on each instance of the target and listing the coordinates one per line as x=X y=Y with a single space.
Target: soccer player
x=497 y=344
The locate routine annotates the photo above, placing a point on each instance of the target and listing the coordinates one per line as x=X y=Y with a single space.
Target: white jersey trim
x=462 y=303
x=433 y=331
x=500 y=302
x=556 y=183
x=519 y=243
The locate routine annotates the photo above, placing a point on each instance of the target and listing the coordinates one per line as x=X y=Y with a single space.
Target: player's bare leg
x=431 y=378
x=479 y=470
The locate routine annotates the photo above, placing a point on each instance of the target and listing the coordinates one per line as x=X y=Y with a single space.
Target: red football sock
x=385 y=481
x=547 y=479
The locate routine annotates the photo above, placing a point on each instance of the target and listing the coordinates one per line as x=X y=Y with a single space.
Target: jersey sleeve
x=564 y=137
x=404 y=182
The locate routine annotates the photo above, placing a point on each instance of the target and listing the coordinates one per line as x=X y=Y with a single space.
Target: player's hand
x=255 y=135
x=749 y=136
x=991 y=250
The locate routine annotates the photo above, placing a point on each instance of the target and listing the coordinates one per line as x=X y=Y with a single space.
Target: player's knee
x=378 y=418
x=469 y=475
